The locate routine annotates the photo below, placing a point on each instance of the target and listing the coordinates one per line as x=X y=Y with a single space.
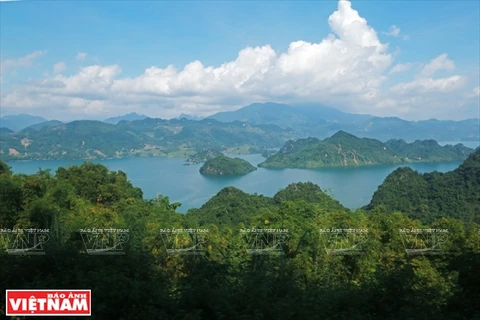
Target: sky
x=70 y=60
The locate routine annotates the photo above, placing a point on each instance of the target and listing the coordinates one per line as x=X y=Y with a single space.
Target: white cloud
x=25 y=61
x=425 y=85
x=406 y=37
x=81 y=56
x=394 y=31
x=348 y=69
x=401 y=68
x=59 y=67
x=475 y=93
x=439 y=63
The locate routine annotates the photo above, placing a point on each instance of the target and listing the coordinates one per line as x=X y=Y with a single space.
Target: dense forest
x=226 y=166
x=307 y=275
x=433 y=195
x=344 y=149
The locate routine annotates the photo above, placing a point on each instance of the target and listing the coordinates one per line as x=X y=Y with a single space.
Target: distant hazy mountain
x=4 y=130
x=311 y=120
x=41 y=125
x=189 y=117
x=127 y=117
x=304 y=118
x=20 y=121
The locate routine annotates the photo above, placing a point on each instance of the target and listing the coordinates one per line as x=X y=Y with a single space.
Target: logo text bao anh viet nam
x=48 y=302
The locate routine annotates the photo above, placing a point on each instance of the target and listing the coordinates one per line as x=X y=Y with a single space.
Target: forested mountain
x=41 y=125
x=226 y=281
x=344 y=149
x=233 y=206
x=431 y=196
x=85 y=139
x=226 y=166
x=314 y=120
x=20 y=121
x=230 y=206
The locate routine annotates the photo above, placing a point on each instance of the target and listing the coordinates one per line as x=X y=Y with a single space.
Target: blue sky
x=134 y=36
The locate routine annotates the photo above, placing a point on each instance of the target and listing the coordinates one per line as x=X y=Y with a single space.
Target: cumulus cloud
x=59 y=67
x=424 y=89
x=81 y=56
x=347 y=69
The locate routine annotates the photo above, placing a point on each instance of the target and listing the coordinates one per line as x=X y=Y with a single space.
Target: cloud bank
x=349 y=69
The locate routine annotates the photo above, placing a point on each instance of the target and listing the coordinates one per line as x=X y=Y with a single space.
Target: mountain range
x=20 y=121
x=309 y=120
x=87 y=139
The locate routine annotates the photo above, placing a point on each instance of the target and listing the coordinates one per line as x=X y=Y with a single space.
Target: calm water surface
x=353 y=187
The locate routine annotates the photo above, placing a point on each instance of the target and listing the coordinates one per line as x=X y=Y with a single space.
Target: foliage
x=227 y=282
x=430 y=196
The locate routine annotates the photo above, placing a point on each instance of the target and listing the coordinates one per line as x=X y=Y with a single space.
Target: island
x=344 y=149
x=223 y=165
x=203 y=156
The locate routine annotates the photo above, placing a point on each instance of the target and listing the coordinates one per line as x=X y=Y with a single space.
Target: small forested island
x=344 y=149
x=223 y=165
x=203 y=156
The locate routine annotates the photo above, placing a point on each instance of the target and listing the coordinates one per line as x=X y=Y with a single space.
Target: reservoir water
x=353 y=186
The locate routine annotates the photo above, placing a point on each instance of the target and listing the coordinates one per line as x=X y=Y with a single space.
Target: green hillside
x=231 y=206
x=344 y=149
x=430 y=196
x=149 y=137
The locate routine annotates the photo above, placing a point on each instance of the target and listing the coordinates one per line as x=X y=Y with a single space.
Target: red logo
x=48 y=302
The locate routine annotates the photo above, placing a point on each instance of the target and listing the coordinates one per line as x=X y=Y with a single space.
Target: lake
x=353 y=186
